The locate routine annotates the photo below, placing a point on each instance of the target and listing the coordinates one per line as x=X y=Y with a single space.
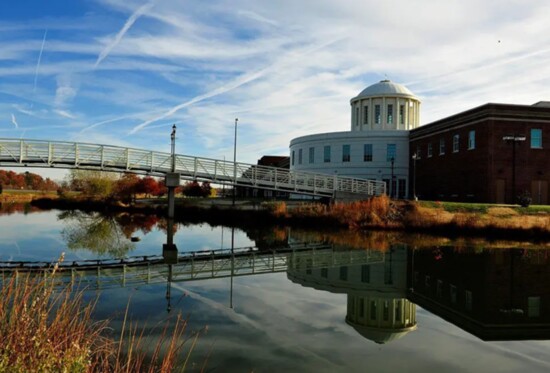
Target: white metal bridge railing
x=43 y=153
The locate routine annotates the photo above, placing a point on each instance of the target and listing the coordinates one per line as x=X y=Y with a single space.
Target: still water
x=351 y=304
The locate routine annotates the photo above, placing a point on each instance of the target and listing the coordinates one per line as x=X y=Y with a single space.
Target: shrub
x=524 y=199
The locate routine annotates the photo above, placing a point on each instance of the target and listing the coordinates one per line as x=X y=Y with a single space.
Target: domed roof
x=385 y=88
x=381 y=335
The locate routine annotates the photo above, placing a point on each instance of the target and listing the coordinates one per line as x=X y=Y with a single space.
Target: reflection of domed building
x=376 y=285
x=377 y=147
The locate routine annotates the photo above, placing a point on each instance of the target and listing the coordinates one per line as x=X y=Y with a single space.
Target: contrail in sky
x=236 y=83
x=39 y=59
x=14 y=121
x=129 y=23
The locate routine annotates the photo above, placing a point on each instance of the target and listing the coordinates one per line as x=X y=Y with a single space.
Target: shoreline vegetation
x=377 y=213
x=47 y=329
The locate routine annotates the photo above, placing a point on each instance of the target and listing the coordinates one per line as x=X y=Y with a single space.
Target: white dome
x=385 y=88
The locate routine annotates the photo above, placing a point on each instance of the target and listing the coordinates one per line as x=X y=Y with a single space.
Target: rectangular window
x=366 y=113
x=454 y=293
x=536 y=138
x=418 y=152
x=361 y=308
x=357 y=117
x=292 y=158
x=377 y=114
x=468 y=300
x=326 y=154
x=441 y=146
x=312 y=155
x=390 y=113
x=373 y=310
x=386 y=311
x=471 y=140
x=346 y=153
x=344 y=273
x=430 y=150
x=367 y=153
x=390 y=152
x=398 y=310
x=299 y=156
x=533 y=306
x=456 y=139
x=365 y=273
x=401 y=114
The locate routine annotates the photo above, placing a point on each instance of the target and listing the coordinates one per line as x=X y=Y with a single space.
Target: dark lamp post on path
x=514 y=139
x=414 y=158
x=392 y=160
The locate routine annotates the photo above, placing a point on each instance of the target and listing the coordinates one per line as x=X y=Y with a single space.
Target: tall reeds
x=44 y=329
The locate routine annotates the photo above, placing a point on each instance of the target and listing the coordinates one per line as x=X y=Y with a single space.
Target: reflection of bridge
x=40 y=153
x=191 y=266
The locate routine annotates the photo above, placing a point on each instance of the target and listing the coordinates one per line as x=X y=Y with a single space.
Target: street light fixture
x=392 y=160
x=235 y=162
x=513 y=139
x=415 y=157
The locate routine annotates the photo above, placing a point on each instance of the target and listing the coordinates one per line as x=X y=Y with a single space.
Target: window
x=536 y=138
x=377 y=114
x=326 y=153
x=456 y=139
x=418 y=152
x=390 y=152
x=357 y=116
x=468 y=296
x=533 y=306
x=386 y=310
x=324 y=272
x=398 y=311
x=312 y=155
x=373 y=310
x=401 y=114
x=292 y=158
x=366 y=113
x=309 y=265
x=344 y=273
x=453 y=294
x=441 y=146
x=367 y=153
x=299 y=156
x=430 y=150
x=390 y=114
x=471 y=140
x=346 y=157
x=361 y=308
x=365 y=273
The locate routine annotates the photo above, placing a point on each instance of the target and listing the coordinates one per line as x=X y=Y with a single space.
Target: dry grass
x=46 y=330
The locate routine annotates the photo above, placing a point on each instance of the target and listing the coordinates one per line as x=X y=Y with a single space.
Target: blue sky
x=121 y=72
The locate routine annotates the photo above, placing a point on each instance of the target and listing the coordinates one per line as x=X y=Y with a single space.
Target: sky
x=122 y=72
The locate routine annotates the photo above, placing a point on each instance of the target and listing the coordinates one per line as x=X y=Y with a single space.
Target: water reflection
x=376 y=288
x=494 y=294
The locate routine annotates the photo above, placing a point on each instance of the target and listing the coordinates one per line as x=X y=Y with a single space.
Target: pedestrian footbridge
x=59 y=154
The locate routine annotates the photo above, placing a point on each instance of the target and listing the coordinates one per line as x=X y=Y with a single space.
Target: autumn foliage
x=25 y=180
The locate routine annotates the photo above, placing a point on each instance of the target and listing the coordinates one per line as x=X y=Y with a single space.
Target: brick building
x=491 y=153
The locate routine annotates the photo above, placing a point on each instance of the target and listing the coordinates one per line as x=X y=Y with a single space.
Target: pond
x=288 y=300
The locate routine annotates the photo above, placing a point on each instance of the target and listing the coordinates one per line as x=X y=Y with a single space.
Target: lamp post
x=235 y=162
x=392 y=160
x=414 y=158
x=513 y=139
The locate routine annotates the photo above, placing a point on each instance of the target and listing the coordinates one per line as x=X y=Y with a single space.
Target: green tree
x=93 y=184
x=95 y=232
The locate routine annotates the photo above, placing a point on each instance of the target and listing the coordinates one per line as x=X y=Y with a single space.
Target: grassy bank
x=12 y=195
x=43 y=329
x=378 y=213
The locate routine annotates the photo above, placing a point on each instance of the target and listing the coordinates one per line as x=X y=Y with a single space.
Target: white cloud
x=14 y=121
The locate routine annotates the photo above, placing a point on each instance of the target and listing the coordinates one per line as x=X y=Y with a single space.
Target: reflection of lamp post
x=235 y=162
x=414 y=158
x=392 y=160
x=513 y=139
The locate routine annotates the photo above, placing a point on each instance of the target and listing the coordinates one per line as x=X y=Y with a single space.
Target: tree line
x=25 y=180
x=107 y=185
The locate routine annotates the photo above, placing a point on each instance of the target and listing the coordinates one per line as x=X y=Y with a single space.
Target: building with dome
x=377 y=145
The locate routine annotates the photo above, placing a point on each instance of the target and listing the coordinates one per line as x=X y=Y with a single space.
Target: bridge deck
x=42 y=153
